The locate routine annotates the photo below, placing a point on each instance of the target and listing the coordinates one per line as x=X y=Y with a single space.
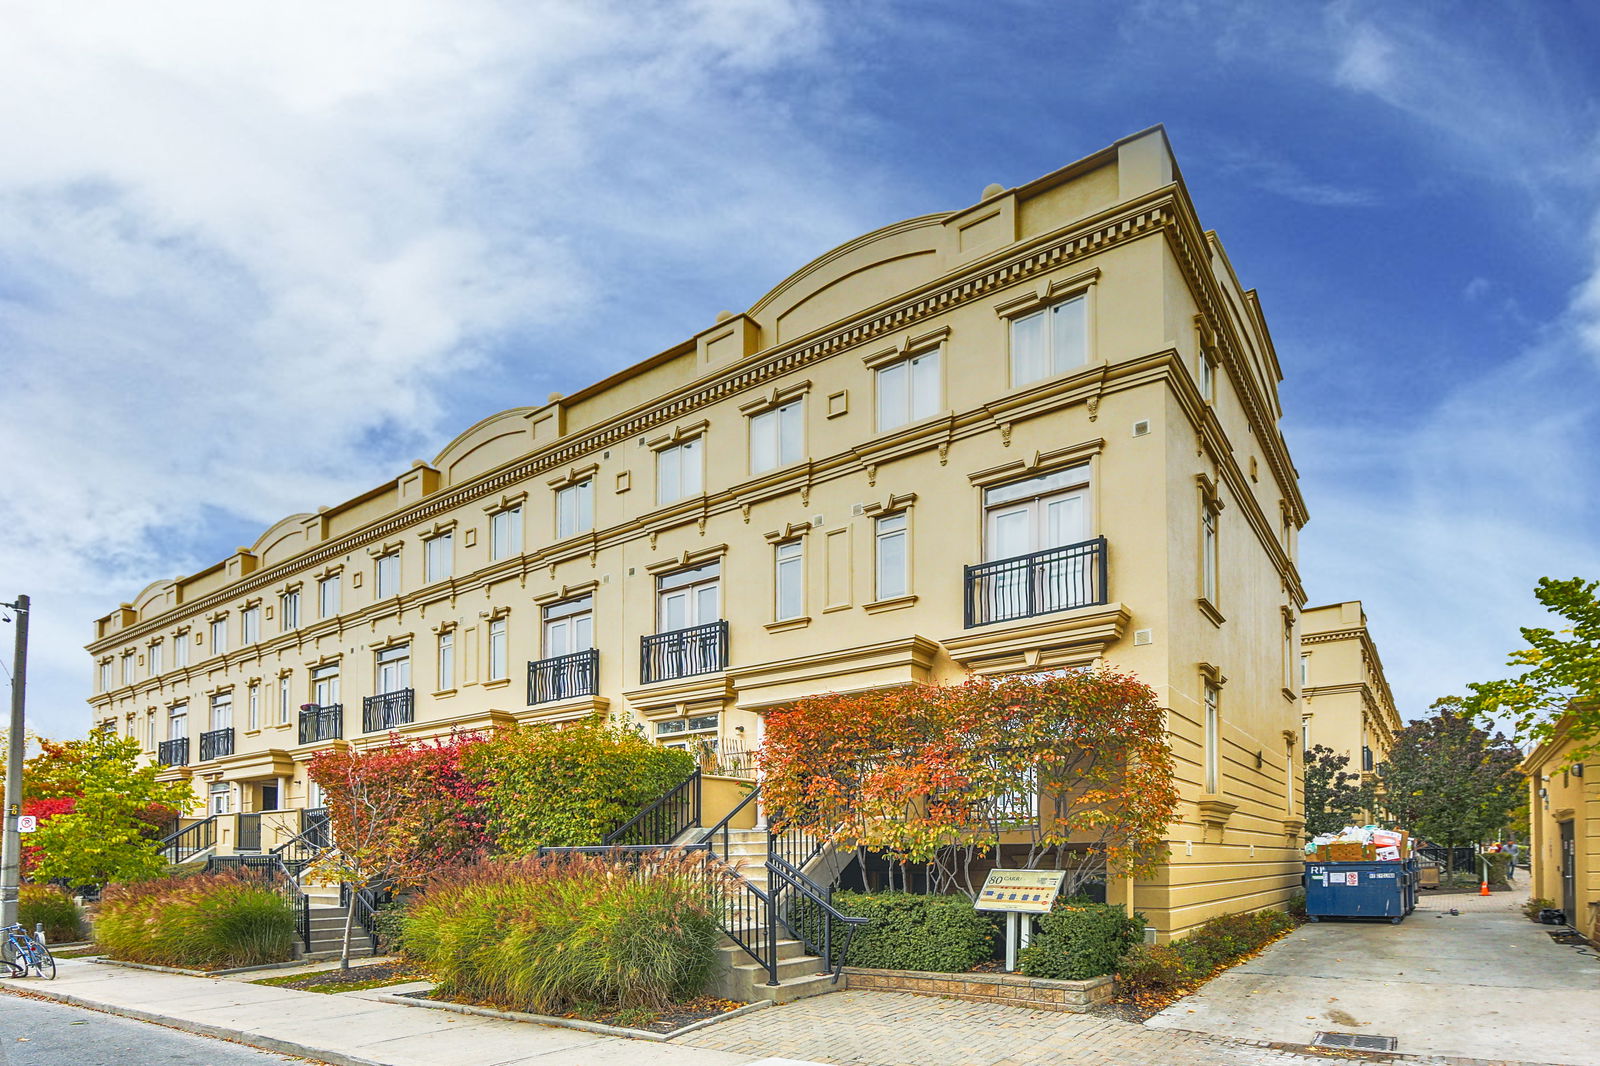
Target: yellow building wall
x=1562 y=792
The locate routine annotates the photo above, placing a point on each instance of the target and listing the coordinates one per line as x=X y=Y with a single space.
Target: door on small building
x=1569 y=874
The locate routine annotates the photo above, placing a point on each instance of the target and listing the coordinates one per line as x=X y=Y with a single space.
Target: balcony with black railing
x=1057 y=579
x=388 y=710
x=173 y=752
x=699 y=649
x=564 y=677
x=216 y=743
x=321 y=723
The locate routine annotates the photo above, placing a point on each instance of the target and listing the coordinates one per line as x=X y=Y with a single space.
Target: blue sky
x=256 y=258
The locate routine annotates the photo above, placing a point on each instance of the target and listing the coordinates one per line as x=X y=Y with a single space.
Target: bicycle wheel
x=44 y=962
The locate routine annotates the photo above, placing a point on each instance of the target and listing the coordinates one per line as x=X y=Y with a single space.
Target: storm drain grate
x=1569 y=936
x=1356 y=1041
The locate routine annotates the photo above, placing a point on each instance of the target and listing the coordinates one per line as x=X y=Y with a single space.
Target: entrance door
x=1569 y=874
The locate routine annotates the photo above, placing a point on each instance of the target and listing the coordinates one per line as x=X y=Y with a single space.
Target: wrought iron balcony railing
x=683 y=652
x=563 y=677
x=216 y=743
x=387 y=710
x=173 y=752
x=1058 y=579
x=321 y=723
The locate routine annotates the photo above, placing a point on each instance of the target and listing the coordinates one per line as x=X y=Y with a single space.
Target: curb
x=568 y=1023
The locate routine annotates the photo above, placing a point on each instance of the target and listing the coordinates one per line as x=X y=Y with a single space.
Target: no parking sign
x=27 y=823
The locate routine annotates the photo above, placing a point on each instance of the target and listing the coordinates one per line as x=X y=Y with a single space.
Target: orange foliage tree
x=1073 y=767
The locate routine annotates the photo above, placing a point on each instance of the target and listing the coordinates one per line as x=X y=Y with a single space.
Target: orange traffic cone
x=1483 y=888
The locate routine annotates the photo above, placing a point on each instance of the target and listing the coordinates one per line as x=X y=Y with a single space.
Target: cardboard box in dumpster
x=1346 y=851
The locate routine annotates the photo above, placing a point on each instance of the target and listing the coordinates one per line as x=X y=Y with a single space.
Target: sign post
x=1019 y=894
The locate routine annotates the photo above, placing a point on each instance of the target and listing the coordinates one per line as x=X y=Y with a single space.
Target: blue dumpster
x=1361 y=889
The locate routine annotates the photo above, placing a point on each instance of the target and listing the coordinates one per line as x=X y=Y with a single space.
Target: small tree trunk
x=349 y=918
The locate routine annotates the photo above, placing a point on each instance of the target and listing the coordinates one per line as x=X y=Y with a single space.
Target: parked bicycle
x=25 y=955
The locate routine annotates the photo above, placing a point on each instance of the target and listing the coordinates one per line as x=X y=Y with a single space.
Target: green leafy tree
x=1335 y=797
x=110 y=834
x=1450 y=781
x=1559 y=672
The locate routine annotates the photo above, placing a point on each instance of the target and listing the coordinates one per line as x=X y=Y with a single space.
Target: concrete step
x=787 y=949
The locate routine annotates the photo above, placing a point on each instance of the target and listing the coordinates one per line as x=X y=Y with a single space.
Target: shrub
x=548 y=934
x=1229 y=937
x=1536 y=904
x=1296 y=907
x=1152 y=969
x=907 y=931
x=1499 y=866
x=212 y=921
x=52 y=908
x=1080 y=939
x=571 y=785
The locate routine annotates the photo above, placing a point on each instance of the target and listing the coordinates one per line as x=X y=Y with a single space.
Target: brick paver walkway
x=899 y=1029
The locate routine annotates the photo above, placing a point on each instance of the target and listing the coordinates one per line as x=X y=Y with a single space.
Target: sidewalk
x=352 y=1031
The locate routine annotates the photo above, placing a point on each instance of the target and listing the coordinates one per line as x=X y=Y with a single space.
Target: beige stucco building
x=1035 y=432
x=1564 y=828
x=1348 y=705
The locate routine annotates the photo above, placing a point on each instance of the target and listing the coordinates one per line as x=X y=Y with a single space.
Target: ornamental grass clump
x=213 y=921
x=546 y=934
x=52 y=908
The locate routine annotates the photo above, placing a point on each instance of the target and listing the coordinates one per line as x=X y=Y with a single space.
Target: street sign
x=27 y=823
x=1022 y=891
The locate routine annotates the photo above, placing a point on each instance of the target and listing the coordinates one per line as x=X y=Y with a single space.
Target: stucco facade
x=1348 y=705
x=1063 y=385
x=1564 y=828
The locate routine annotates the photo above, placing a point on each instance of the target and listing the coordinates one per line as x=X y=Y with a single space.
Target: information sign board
x=1022 y=891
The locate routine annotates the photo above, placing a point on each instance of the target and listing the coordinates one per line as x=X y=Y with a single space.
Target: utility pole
x=16 y=741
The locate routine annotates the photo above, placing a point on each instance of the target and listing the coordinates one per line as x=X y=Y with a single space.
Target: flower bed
x=208 y=922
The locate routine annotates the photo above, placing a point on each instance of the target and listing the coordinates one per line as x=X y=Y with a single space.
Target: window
x=178 y=721
x=388 y=576
x=497 y=649
x=1366 y=758
x=222 y=710
x=776 y=438
x=678 y=471
x=1213 y=752
x=127 y=668
x=394 y=669
x=180 y=648
x=1208 y=551
x=220 y=798
x=689 y=598
x=699 y=731
x=1305 y=670
x=325 y=685
x=154 y=658
x=150 y=722
x=219 y=635
x=284 y=688
x=908 y=390
x=505 y=533
x=105 y=675
x=575 y=509
x=1208 y=378
x=447 y=660
x=289 y=611
x=569 y=627
x=440 y=558
x=891 y=533
x=1288 y=779
x=1040 y=513
x=1289 y=646
x=249 y=626
x=789 y=579
x=328 y=596
x=254 y=712
x=1305 y=733
x=1050 y=341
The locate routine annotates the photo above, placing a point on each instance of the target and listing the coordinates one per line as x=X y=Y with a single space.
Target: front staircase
x=741 y=977
x=327 y=927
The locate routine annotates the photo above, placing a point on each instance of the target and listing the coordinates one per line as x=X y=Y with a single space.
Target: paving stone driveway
x=899 y=1029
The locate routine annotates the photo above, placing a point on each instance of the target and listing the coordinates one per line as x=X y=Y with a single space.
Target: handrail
x=727 y=820
x=304 y=848
x=781 y=876
x=206 y=832
x=665 y=817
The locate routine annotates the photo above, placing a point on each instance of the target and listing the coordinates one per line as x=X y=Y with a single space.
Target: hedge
x=210 y=921
x=1163 y=968
x=1080 y=939
x=52 y=908
x=908 y=931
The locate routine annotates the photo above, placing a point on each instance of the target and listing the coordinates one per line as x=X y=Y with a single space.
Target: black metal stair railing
x=668 y=815
x=806 y=909
x=564 y=677
x=312 y=842
x=1057 y=579
x=189 y=841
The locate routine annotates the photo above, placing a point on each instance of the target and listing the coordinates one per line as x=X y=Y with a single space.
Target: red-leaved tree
x=1073 y=767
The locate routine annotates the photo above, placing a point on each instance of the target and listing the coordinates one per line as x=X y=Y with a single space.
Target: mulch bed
x=374 y=975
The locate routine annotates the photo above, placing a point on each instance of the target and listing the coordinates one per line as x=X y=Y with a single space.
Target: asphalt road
x=35 y=1033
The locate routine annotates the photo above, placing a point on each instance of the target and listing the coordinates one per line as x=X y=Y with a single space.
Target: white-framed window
x=447 y=660
x=892 y=557
x=219 y=635
x=285 y=688
x=1208 y=378
x=777 y=437
x=328 y=596
x=249 y=626
x=150 y=724
x=105 y=674
x=1288 y=779
x=575 y=508
x=908 y=390
x=1289 y=646
x=1305 y=732
x=1051 y=341
x=497 y=649
x=222 y=711
x=505 y=533
x=153 y=656
x=388 y=576
x=789 y=579
x=679 y=471
x=219 y=799
x=325 y=684
x=254 y=713
x=697 y=731
x=178 y=721
x=689 y=598
x=1210 y=515
x=1213 y=738
x=394 y=669
x=569 y=627
x=1305 y=670
x=289 y=611
x=127 y=667
x=180 y=648
x=439 y=560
